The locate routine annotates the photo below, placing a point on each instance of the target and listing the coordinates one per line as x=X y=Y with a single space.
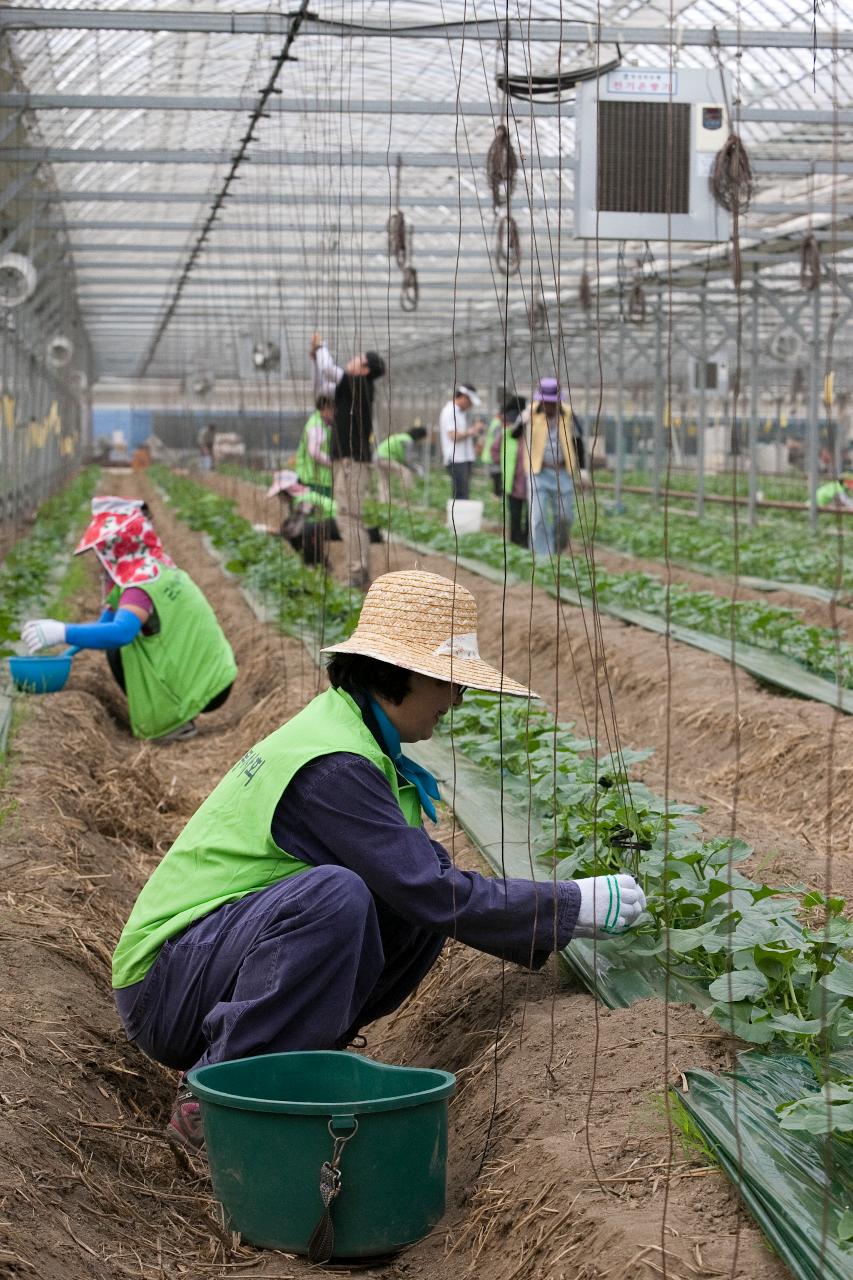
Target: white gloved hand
x=609 y=904
x=41 y=633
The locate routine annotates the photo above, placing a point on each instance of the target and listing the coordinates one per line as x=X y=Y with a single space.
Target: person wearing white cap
x=305 y=898
x=458 y=439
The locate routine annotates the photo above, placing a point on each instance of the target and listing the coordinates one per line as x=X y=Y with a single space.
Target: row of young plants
x=781 y=548
x=776 y=964
x=26 y=571
x=754 y=622
x=305 y=600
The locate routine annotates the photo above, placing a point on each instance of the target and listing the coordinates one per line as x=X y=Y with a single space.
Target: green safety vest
x=489 y=439
x=226 y=850
x=321 y=503
x=394 y=448
x=827 y=493
x=509 y=459
x=310 y=472
x=171 y=676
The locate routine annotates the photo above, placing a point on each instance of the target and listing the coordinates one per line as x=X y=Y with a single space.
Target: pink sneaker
x=184 y=1129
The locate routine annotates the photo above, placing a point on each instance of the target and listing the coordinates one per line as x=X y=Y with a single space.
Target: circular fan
x=59 y=351
x=18 y=279
x=785 y=345
x=265 y=356
x=201 y=383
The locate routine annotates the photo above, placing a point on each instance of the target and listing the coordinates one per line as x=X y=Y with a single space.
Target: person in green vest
x=509 y=453
x=305 y=897
x=313 y=461
x=395 y=455
x=835 y=493
x=492 y=434
x=308 y=517
x=163 y=643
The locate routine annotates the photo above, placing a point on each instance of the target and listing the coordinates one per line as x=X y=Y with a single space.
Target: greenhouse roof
x=135 y=113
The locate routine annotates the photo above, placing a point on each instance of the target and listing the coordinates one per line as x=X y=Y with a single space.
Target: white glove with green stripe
x=609 y=904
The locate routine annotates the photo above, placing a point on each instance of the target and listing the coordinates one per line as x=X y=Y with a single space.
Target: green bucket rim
x=360 y=1106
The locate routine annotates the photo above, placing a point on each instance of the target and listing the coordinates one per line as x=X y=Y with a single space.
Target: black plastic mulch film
x=796 y=1185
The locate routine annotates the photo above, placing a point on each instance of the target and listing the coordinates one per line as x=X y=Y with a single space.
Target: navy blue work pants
x=303 y=964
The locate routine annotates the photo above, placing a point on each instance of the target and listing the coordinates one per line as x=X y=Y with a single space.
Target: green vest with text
x=830 y=492
x=171 y=676
x=509 y=459
x=489 y=439
x=395 y=448
x=226 y=850
x=313 y=473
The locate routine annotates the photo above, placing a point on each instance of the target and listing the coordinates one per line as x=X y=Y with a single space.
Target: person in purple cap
x=554 y=457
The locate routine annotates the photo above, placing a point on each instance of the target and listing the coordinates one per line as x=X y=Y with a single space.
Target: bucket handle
x=321 y=1246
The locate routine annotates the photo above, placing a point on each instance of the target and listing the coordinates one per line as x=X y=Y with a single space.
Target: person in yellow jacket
x=553 y=469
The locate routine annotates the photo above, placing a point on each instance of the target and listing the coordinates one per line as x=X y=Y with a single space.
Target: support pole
x=814 y=402
x=620 y=413
x=659 y=401
x=703 y=401
x=753 y=408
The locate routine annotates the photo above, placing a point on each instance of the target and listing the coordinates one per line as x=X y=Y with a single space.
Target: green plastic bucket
x=270 y=1124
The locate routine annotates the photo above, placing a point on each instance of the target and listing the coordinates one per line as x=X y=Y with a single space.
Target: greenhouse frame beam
x=802 y=167
x=311 y=159
x=368 y=106
x=542 y=29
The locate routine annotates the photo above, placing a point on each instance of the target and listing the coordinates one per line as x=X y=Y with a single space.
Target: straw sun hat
x=425 y=623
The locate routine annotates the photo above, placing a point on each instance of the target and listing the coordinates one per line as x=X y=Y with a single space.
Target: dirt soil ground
x=562 y=1163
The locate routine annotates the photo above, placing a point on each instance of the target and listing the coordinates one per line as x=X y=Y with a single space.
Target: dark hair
x=514 y=406
x=324 y=402
x=375 y=364
x=353 y=672
x=417 y=433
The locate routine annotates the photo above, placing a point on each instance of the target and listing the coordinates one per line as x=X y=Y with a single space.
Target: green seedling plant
x=775 y=968
x=27 y=569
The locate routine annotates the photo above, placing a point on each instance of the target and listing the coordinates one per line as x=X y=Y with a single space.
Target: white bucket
x=464 y=515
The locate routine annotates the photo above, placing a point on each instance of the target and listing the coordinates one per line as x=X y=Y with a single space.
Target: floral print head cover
x=123 y=538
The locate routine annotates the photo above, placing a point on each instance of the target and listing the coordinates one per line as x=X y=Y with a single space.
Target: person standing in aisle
x=396 y=456
x=458 y=439
x=492 y=434
x=554 y=469
x=206 y=442
x=351 y=448
x=313 y=460
x=508 y=453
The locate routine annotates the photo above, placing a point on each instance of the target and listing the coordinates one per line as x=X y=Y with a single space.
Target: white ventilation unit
x=646 y=142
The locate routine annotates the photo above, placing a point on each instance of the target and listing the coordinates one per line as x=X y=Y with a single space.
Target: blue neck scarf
x=421 y=778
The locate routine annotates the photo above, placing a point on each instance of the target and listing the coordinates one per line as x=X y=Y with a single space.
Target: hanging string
x=409 y=282
x=501 y=168
x=507 y=246
x=396 y=225
x=809 y=264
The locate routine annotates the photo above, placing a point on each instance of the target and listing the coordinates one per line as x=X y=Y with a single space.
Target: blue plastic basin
x=42 y=675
